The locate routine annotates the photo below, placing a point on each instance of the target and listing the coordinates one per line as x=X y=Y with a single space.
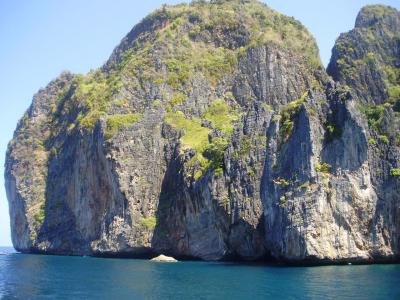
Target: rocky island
x=214 y=132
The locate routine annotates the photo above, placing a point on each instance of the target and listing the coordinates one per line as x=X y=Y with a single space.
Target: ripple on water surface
x=48 y=277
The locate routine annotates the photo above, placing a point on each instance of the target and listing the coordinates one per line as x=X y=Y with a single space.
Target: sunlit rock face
x=214 y=132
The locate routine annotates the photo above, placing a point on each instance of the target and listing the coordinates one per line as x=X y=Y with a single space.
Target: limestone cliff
x=214 y=132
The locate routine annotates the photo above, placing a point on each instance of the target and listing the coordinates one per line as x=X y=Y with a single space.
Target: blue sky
x=40 y=39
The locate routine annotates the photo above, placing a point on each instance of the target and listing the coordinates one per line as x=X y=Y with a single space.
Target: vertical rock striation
x=214 y=132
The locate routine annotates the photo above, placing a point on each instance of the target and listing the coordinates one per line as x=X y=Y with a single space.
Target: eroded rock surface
x=214 y=132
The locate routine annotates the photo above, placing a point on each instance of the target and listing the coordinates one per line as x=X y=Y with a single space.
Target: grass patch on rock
x=222 y=116
x=119 y=121
x=288 y=115
x=149 y=222
x=195 y=136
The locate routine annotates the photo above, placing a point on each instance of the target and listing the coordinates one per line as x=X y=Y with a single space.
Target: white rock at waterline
x=163 y=258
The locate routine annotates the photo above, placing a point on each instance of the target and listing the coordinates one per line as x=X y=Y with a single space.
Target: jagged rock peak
x=226 y=23
x=367 y=58
x=381 y=15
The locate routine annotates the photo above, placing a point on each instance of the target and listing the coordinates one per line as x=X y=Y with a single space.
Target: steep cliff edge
x=214 y=132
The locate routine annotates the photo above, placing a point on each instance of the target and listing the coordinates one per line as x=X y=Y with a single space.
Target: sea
x=25 y=276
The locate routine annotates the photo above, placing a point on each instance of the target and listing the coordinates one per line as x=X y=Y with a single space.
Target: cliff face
x=214 y=132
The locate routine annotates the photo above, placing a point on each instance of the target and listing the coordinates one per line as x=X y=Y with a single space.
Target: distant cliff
x=214 y=132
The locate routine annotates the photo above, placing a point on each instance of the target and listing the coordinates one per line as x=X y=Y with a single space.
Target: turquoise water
x=52 y=277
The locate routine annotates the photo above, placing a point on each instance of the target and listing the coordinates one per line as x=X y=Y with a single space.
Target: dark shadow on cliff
x=76 y=183
x=164 y=235
x=345 y=144
x=59 y=226
x=178 y=201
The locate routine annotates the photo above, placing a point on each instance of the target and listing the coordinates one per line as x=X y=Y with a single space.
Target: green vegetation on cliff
x=195 y=136
x=198 y=39
x=116 y=122
x=192 y=40
x=209 y=154
x=149 y=223
x=190 y=140
x=93 y=93
x=395 y=172
x=221 y=115
x=288 y=115
x=374 y=33
x=366 y=59
x=211 y=37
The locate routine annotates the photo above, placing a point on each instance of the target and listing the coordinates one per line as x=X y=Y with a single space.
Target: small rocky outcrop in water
x=214 y=132
x=163 y=258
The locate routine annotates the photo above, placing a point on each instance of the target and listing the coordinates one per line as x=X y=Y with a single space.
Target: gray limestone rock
x=246 y=150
